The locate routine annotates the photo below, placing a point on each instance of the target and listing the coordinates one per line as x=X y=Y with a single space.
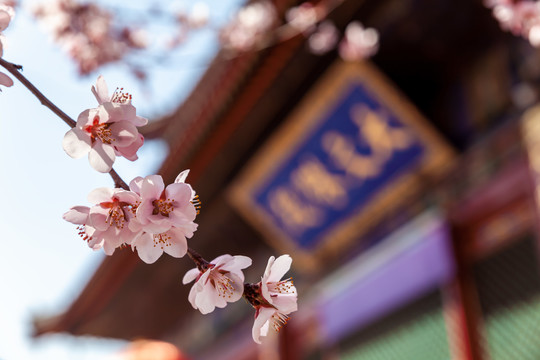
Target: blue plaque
x=347 y=155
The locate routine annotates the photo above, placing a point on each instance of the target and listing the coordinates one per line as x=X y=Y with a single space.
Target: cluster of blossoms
x=87 y=32
x=358 y=43
x=221 y=281
x=153 y=218
x=520 y=17
x=149 y=217
x=107 y=131
x=6 y=15
x=253 y=24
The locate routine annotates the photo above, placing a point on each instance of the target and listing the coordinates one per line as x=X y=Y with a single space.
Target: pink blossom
x=162 y=208
x=78 y=215
x=520 y=18
x=280 y=297
x=249 y=26
x=324 y=39
x=303 y=18
x=105 y=225
x=107 y=131
x=217 y=283
x=87 y=32
x=164 y=217
x=111 y=215
x=358 y=43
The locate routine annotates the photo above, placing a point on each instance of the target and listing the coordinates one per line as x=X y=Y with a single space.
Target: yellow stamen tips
x=103 y=133
x=116 y=217
x=120 y=97
x=223 y=284
x=279 y=320
x=197 y=203
x=162 y=240
x=285 y=286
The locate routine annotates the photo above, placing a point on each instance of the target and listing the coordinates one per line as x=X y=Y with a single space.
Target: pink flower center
x=99 y=131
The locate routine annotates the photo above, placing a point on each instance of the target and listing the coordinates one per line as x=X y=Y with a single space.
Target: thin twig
x=15 y=70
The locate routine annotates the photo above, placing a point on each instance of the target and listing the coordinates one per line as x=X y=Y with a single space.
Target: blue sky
x=44 y=264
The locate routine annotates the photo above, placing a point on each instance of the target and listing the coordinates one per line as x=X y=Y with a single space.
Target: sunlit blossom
x=164 y=218
x=217 y=283
x=105 y=225
x=107 y=131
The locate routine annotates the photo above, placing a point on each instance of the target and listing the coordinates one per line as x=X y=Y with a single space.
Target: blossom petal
x=146 y=249
x=77 y=215
x=76 y=143
x=207 y=299
x=5 y=80
x=279 y=267
x=135 y=185
x=240 y=262
x=222 y=260
x=124 y=133
x=181 y=178
x=101 y=157
x=190 y=276
x=100 y=90
x=130 y=152
x=139 y=121
x=178 y=247
x=152 y=187
x=99 y=195
x=180 y=192
x=98 y=218
x=260 y=326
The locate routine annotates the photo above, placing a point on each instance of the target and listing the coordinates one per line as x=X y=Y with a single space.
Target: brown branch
x=15 y=70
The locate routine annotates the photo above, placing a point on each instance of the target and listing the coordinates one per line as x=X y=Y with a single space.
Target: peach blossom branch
x=15 y=70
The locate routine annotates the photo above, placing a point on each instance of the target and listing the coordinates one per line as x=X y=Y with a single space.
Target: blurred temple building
x=406 y=189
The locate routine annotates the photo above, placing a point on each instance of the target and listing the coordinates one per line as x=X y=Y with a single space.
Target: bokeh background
x=397 y=164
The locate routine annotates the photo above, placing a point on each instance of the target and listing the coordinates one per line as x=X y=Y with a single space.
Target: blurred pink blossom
x=358 y=43
x=519 y=17
x=249 y=26
x=303 y=17
x=324 y=38
x=87 y=32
